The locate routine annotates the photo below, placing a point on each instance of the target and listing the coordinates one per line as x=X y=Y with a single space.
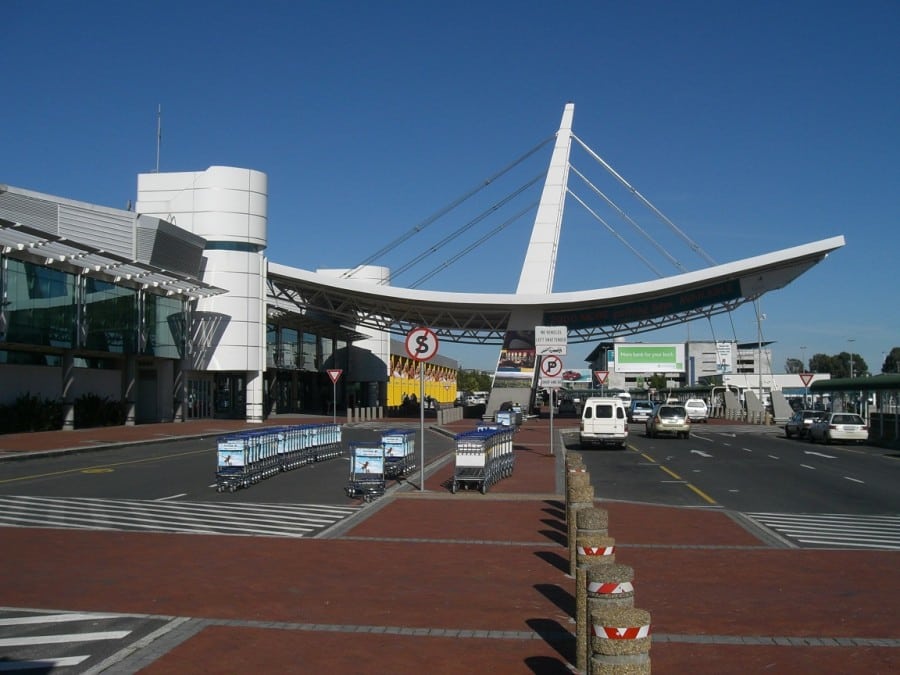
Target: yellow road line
x=100 y=466
x=697 y=490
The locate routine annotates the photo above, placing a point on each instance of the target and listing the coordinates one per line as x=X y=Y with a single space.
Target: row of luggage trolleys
x=247 y=457
x=371 y=463
x=483 y=457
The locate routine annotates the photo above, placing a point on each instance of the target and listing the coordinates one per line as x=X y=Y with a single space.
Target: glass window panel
x=165 y=326
x=110 y=317
x=41 y=305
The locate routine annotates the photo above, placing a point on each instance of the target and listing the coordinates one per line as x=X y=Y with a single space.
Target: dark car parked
x=799 y=423
x=640 y=410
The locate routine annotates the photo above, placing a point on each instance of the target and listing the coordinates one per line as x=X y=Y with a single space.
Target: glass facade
x=164 y=318
x=40 y=305
x=110 y=317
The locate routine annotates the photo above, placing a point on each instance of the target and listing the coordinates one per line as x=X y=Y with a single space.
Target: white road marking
x=807 y=466
x=53 y=618
x=162 y=499
x=42 y=664
x=855 y=480
x=58 y=639
x=819 y=454
x=701 y=453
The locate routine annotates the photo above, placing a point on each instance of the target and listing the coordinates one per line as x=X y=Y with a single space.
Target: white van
x=604 y=421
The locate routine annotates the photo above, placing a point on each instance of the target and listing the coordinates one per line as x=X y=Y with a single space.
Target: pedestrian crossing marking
x=835 y=530
x=90 y=513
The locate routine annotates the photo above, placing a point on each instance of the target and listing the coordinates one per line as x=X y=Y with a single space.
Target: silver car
x=840 y=427
x=668 y=419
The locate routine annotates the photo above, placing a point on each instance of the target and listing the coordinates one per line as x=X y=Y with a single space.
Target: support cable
x=445 y=210
x=615 y=234
x=694 y=246
x=471 y=247
x=660 y=248
x=467 y=226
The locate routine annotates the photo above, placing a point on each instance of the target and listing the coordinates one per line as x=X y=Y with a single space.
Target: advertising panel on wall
x=515 y=365
x=649 y=358
x=724 y=358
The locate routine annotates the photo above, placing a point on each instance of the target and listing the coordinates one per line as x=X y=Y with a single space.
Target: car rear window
x=847 y=419
x=600 y=411
x=672 y=411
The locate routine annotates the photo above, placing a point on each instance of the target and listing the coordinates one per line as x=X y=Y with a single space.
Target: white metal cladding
x=48 y=249
x=166 y=246
x=28 y=209
x=109 y=231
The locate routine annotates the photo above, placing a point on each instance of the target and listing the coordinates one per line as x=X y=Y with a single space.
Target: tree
x=793 y=366
x=891 y=362
x=820 y=363
x=839 y=365
x=473 y=380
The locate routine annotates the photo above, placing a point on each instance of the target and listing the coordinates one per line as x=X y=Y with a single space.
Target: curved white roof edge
x=810 y=253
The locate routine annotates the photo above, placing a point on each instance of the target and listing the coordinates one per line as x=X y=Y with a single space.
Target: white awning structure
x=604 y=313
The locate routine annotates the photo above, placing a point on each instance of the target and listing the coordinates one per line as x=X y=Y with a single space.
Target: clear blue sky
x=752 y=126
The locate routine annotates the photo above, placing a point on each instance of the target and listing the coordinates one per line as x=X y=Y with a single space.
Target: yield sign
x=334 y=374
x=601 y=375
x=806 y=378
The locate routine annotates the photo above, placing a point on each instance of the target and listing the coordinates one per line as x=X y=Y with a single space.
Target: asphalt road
x=171 y=487
x=797 y=490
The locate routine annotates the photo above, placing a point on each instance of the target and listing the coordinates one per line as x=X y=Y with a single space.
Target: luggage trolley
x=503 y=458
x=366 y=471
x=232 y=469
x=483 y=457
x=399 y=452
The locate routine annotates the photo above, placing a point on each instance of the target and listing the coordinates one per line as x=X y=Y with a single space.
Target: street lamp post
x=851 y=341
x=803 y=369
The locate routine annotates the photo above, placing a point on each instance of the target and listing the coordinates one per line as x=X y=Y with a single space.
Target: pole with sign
x=421 y=345
x=806 y=378
x=600 y=376
x=335 y=375
x=551 y=372
x=551 y=343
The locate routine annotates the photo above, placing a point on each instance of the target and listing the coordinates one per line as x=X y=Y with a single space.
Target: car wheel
x=788 y=434
x=826 y=439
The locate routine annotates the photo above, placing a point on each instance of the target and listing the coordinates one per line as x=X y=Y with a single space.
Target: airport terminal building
x=168 y=308
x=172 y=310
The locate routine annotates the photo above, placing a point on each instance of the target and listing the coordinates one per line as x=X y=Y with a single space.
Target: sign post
x=600 y=376
x=551 y=343
x=551 y=371
x=806 y=378
x=421 y=346
x=335 y=375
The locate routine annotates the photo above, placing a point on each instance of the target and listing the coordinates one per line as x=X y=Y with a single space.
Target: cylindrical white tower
x=228 y=207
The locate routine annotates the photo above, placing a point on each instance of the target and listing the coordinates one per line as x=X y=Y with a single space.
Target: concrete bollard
x=574 y=466
x=609 y=586
x=620 y=641
x=578 y=497
x=593 y=549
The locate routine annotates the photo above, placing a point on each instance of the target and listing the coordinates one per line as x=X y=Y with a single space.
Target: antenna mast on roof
x=158 y=133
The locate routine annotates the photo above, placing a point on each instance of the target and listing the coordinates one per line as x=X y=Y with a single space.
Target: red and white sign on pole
x=335 y=375
x=806 y=378
x=600 y=376
x=421 y=344
x=551 y=371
